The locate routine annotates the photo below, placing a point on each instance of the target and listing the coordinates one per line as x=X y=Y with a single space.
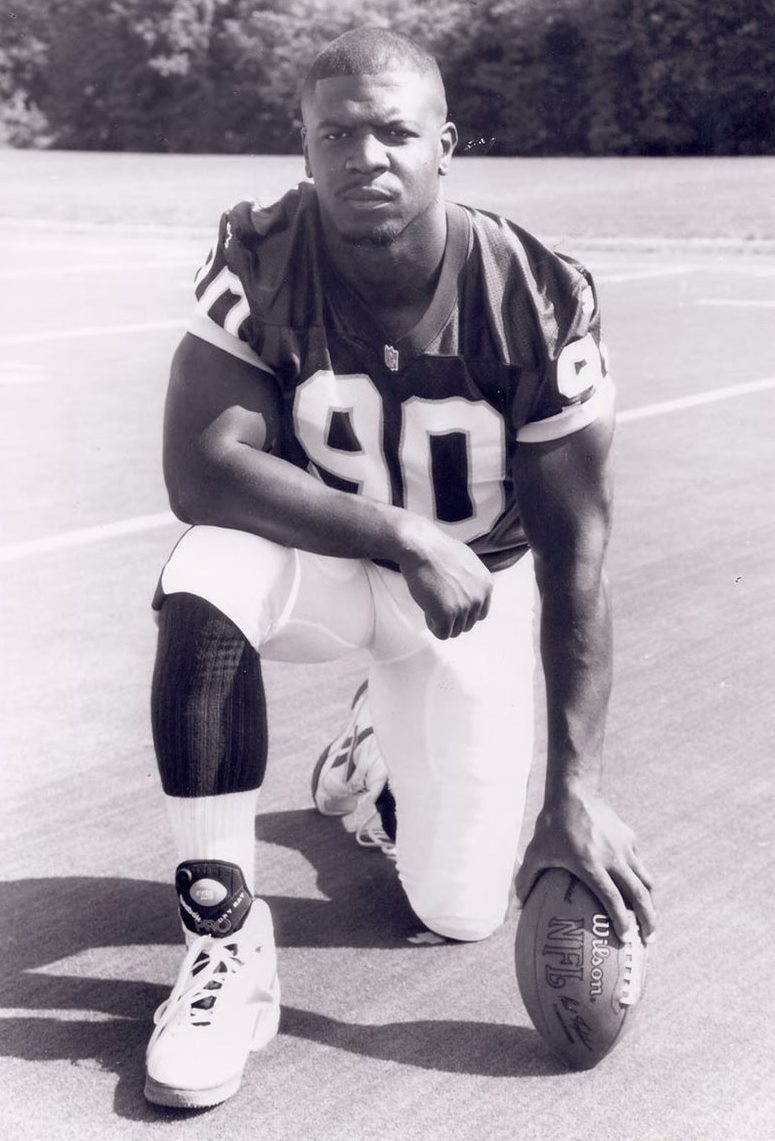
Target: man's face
x=376 y=146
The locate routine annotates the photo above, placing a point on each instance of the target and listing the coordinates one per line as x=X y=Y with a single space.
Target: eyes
x=388 y=134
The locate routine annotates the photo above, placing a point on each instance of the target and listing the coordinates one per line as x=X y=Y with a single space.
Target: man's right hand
x=450 y=584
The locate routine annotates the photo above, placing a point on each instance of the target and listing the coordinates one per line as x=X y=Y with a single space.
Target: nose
x=367 y=154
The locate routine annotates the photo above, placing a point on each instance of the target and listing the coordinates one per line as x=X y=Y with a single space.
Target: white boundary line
x=740 y=302
x=89 y=331
x=48 y=335
x=708 y=397
x=85 y=535
x=64 y=270
x=601 y=277
x=141 y=523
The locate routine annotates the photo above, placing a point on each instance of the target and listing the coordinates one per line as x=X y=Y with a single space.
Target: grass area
x=718 y=199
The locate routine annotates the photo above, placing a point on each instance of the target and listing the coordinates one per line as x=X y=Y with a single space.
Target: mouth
x=366 y=195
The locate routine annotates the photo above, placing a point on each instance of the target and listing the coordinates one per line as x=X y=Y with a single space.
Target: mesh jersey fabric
x=508 y=350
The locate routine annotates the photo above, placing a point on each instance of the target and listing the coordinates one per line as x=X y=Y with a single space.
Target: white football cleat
x=350 y=773
x=225 y=1003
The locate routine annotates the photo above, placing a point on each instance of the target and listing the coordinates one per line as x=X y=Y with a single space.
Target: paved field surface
x=381 y=1037
x=714 y=201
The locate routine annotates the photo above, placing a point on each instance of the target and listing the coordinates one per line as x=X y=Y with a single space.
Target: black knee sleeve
x=208 y=711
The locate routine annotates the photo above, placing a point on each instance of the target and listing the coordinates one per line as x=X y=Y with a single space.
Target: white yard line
x=89 y=331
x=14 y=552
x=708 y=397
x=641 y=274
x=48 y=335
x=118 y=267
x=84 y=535
x=739 y=302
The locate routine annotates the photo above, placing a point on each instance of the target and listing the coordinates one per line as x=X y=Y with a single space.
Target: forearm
x=575 y=828
x=576 y=651
x=232 y=484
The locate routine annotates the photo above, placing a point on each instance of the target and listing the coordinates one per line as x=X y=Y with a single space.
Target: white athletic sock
x=216 y=828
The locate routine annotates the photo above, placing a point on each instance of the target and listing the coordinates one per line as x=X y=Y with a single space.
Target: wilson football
x=579 y=983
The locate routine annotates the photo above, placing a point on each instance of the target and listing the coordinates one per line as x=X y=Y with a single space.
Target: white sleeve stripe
x=236 y=316
x=571 y=419
x=225 y=282
x=208 y=330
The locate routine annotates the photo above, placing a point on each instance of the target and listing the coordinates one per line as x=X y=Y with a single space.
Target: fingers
x=635 y=894
x=620 y=891
x=603 y=886
x=452 y=588
x=641 y=871
x=452 y=625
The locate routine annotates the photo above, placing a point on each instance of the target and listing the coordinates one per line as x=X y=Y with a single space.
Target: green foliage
x=528 y=77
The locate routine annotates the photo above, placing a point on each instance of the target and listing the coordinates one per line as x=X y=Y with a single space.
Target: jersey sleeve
x=222 y=314
x=575 y=387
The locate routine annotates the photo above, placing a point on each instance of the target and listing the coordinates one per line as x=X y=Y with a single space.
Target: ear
x=448 y=142
x=307 y=167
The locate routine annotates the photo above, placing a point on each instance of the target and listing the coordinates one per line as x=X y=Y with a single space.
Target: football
x=579 y=983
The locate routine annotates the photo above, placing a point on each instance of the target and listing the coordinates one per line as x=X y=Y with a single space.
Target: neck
x=400 y=273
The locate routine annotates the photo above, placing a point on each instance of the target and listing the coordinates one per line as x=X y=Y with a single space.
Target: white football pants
x=453 y=719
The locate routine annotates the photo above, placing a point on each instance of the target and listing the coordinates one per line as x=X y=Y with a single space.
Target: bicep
x=214 y=397
x=564 y=489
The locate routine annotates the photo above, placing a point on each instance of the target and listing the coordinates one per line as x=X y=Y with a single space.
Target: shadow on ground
x=47 y=921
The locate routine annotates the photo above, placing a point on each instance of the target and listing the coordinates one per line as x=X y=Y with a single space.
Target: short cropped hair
x=370 y=51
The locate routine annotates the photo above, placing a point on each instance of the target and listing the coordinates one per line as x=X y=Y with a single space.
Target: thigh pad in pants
x=290 y=605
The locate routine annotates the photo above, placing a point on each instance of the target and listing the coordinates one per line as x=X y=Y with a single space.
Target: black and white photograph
x=388 y=564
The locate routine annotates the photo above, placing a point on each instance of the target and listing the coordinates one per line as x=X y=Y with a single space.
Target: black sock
x=208 y=711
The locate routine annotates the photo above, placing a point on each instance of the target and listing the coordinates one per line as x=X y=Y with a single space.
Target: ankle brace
x=212 y=896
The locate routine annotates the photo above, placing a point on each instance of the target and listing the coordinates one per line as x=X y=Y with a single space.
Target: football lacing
x=634 y=968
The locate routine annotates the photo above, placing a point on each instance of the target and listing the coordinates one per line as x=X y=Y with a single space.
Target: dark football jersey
x=508 y=351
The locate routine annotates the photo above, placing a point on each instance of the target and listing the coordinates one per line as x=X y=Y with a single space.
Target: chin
x=368 y=228
x=381 y=234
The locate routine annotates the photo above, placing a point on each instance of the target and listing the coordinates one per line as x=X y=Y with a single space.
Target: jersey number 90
x=448 y=456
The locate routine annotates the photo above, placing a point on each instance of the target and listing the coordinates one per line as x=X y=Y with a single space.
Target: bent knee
x=468 y=925
x=244 y=576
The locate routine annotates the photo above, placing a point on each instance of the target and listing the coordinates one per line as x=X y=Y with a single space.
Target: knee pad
x=247 y=578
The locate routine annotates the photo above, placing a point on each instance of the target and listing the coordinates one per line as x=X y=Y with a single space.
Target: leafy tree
x=523 y=76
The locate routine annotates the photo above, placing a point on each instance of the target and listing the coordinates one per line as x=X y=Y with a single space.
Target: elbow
x=186 y=490
x=575 y=551
x=200 y=480
x=573 y=570
x=178 y=507
x=179 y=500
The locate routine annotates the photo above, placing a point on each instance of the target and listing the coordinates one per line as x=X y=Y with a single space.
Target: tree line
x=524 y=77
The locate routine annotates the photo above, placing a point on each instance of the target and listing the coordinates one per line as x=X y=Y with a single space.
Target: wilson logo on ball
x=601 y=933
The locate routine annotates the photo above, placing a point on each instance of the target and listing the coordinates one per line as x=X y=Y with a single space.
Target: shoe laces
x=208 y=966
x=371 y=834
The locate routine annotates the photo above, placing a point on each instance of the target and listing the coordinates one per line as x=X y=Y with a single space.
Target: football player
x=389 y=417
